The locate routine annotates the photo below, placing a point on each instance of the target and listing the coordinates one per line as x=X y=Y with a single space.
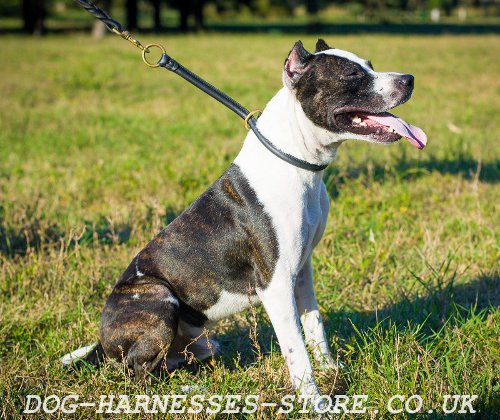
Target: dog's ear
x=321 y=45
x=296 y=63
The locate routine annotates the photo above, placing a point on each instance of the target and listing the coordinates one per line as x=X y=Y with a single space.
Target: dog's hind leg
x=139 y=324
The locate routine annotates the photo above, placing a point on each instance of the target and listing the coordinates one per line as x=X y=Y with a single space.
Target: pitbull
x=249 y=237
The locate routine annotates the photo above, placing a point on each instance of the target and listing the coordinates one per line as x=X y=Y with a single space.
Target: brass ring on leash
x=250 y=115
x=146 y=50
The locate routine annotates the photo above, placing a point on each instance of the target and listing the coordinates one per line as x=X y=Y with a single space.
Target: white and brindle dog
x=249 y=237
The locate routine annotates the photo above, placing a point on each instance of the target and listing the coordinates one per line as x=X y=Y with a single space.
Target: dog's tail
x=93 y=355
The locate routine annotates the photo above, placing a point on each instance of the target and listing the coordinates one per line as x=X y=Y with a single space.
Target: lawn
x=98 y=152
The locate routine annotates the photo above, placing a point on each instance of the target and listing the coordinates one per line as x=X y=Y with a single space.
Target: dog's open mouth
x=382 y=128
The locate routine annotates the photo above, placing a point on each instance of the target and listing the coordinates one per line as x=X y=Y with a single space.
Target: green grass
x=98 y=152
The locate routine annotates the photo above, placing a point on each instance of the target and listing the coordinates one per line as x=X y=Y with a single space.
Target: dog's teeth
x=356 y=120
x=363 y=124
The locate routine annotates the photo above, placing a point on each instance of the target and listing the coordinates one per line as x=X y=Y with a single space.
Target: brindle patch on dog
x=224 y=241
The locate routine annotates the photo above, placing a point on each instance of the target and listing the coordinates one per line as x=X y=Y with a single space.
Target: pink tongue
x=414 y=134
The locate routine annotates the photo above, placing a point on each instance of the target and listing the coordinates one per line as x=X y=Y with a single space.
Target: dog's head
x=342 y=93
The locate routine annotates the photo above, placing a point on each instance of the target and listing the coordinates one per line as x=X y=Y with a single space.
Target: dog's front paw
x=309 y=393
x=319 y=405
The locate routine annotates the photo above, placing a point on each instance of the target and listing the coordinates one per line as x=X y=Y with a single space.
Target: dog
x=249 y=237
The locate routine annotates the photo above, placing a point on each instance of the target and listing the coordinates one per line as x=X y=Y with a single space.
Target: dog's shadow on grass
x=440 y=305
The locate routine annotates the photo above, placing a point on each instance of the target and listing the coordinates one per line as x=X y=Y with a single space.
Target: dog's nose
x=406 y=80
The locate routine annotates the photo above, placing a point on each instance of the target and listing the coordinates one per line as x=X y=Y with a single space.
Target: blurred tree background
x=36 y=16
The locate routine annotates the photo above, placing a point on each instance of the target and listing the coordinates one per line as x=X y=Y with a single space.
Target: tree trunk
x=99 y=30
x=312 y=7
x=34 y=13
x=198 y=14
x=131 y=6
x=156 y=14
x=184 y=15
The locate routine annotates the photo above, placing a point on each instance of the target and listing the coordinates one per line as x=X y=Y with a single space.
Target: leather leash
x=174 y=66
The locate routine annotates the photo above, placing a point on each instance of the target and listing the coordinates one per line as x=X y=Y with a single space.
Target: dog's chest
x=299 y=227
x=298 y=211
